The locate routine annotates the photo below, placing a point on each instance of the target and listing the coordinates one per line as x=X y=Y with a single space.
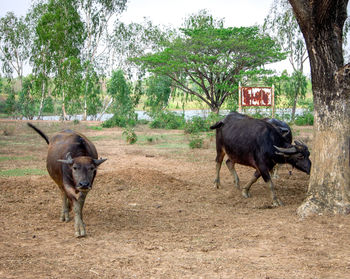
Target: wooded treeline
x=84 y=60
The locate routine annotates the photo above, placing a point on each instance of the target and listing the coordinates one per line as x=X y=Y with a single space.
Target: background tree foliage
x=208 y=61
x=125 y=100
x=14 y=44
x=96 y=15
x=73 y=54
x=61 y=33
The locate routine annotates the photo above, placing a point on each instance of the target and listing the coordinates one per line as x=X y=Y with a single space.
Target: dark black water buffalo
x=256 y=143
x=282 y=127
x=72 y=163
x=286 y=132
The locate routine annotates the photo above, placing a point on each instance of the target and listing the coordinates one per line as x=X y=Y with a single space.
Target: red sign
x=256 y=96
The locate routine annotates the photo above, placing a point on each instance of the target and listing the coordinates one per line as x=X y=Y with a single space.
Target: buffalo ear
x=99 y=161
x=69 y=159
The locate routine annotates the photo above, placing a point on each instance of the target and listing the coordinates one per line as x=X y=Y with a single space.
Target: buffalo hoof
x=80 y=230
x=80 y=234
x=65 y=217
x=277 y=202
x=217 y=184
x=245 y=193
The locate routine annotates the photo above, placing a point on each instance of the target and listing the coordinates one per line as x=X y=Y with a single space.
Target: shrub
x=198 y=124
x=167 y=120
x=120 y=121
x=130 y=135
x=196 y=142
x=306 y=119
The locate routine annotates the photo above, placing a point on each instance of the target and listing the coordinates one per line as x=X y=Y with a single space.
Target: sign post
x=239 y=98
x=256 y=96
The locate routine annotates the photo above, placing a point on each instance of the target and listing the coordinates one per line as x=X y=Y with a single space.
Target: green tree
x=158 y=90
x=124 y=101
x=283 y=26
x=322 y=23
x=133 y=40
x=27 y=98
x=10 y=103
x=208 y=60
x=96 y=14
x=61 y=33
x=40 y=56
x=295 y=88
x=14 y=45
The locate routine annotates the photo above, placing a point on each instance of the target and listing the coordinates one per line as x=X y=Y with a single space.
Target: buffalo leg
x=65 y=208
x=275 y=200
x=246 y=188
x=219 y=158
x=78 y=216
x=275 y=171
x=232 y=170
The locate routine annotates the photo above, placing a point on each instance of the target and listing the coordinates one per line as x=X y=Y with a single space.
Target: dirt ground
x=154 y=213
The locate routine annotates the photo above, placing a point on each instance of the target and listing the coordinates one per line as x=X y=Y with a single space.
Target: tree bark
x=322 y=23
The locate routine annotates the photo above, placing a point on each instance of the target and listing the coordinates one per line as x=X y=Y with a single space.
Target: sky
x=173 y=12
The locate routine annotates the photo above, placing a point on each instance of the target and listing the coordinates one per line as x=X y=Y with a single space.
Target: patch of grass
x=97 y=138
x=148 y=139
x=25 y=158
x=3 y=143
x=172 y=145
x=196 y=142
x=96 y=128
x=306 y=119
x=22 y=172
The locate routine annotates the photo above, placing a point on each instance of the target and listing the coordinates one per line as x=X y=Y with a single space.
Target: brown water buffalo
x=72 y=163
x=256 y=143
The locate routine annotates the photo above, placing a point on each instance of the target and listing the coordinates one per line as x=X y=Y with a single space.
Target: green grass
x=25 y=158
x=96 y=128
x=97 y=138
x=22 y=172
x=172 y=145
x=4 y=143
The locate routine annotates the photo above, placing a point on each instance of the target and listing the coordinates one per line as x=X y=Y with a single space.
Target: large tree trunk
x=329 y=188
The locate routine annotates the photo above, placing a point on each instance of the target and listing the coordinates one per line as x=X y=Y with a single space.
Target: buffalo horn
x=69 y=159
x=99 y=161
x=299 y=142
x=290 y=150
x=285 y=132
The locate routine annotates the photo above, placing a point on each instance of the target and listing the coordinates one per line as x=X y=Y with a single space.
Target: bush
x=306 y=119
x=196 y=142
x=167 y=120
x=120 y=121
x=198 y=124
x=130 y=135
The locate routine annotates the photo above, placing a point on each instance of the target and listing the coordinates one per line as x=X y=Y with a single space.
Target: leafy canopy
x=207 y=60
